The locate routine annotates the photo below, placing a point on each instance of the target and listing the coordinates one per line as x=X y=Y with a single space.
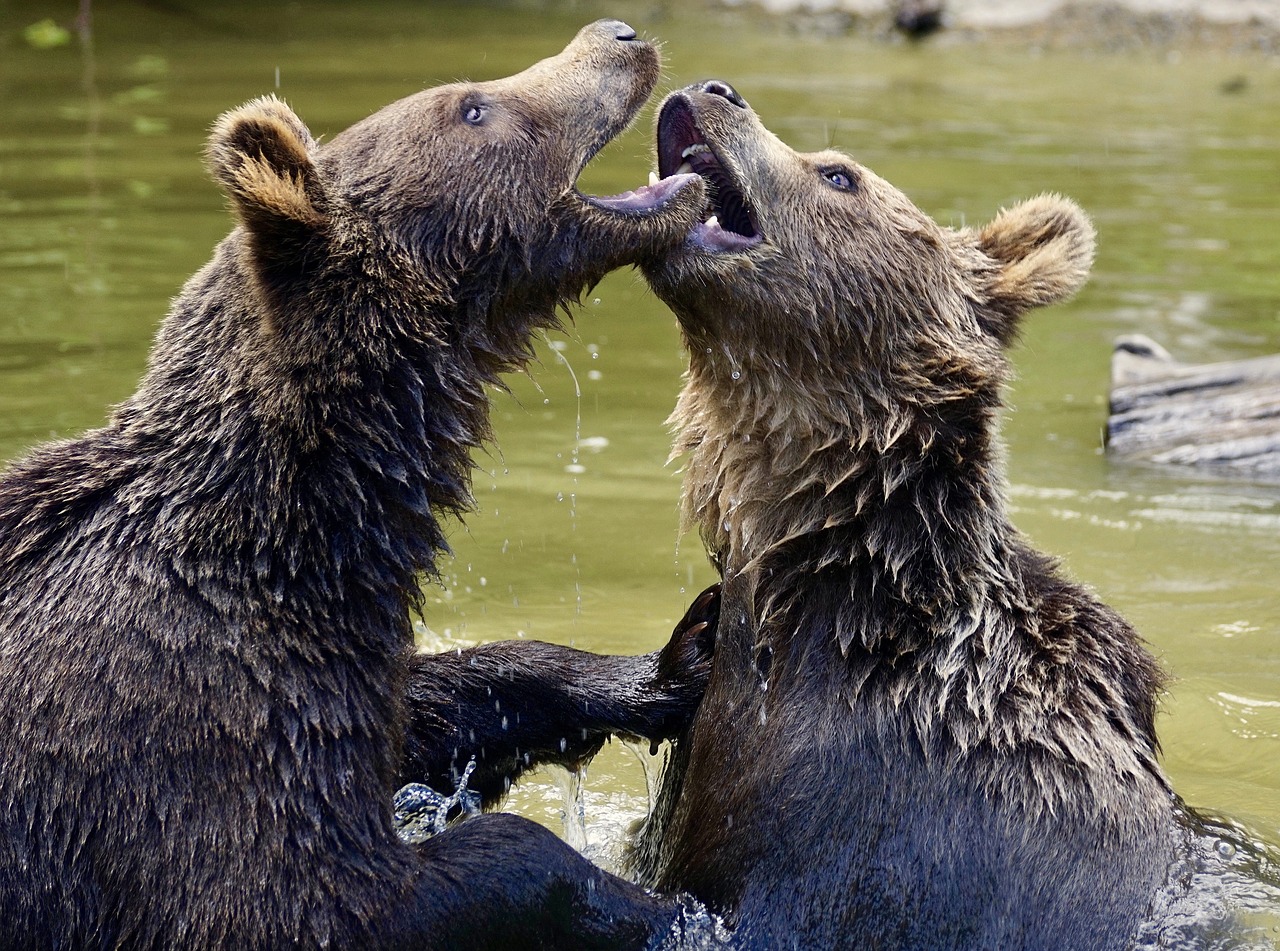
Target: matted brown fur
x=204 y=605
x=918 y=733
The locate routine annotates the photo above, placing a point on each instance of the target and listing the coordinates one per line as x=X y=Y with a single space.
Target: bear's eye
x=474 y=113
x=840 y=178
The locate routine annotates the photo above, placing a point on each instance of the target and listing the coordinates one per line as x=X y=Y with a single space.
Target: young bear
x=917 y=733
x=204 y=605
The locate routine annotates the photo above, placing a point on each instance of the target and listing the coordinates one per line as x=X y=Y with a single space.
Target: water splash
x=1223 y=893
x=695 y=929
x=574 y=813
x=421 y=812
x=652 y=762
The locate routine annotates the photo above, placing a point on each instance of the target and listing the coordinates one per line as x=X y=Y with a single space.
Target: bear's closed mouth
x=682 y=148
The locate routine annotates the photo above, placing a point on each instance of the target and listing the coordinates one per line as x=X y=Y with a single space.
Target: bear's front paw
x=684 y=664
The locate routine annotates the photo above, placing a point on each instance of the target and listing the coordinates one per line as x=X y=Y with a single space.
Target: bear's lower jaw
x=710 y=236
x=644 y=200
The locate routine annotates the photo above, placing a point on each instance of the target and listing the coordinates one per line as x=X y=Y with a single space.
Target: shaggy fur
x=917 y=733
x=204 y=604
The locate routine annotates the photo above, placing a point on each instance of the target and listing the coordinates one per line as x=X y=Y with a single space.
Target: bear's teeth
x=653 y=178
x=684 y=168
x=695 y=149
x=713 y=222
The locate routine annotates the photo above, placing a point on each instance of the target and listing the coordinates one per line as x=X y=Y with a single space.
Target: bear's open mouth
x=646 y=198
x=732 y=224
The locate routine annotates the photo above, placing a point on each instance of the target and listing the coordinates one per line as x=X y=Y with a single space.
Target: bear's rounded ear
x=1042 y=250
x=261 y=154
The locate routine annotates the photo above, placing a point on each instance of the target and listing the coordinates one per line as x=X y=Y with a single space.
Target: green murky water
x=105 y=210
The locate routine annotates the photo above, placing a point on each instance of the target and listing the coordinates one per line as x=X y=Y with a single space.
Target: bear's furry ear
x=261 y=154
x=1042 y=250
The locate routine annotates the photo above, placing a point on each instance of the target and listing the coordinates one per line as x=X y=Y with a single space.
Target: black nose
x=718 y=87
x=622 y=31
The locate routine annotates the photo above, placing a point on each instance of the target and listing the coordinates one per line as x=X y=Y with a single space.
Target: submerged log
x=1224 y=416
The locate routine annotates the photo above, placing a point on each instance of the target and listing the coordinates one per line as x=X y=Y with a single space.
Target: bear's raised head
x=824 y=311
x=377 y=284
x=459 y=200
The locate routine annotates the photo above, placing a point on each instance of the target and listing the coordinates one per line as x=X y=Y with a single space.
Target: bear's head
x=456 y=204
x=811 y=262
x=830 y=321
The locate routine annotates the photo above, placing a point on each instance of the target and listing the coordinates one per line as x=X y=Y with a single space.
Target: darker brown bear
x=917 y=733
x=204 y=604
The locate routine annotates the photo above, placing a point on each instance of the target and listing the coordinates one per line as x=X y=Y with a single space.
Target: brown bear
x=204 y=605
x=917 y=733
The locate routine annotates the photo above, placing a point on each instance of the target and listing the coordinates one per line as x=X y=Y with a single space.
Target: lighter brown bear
x=918 y=734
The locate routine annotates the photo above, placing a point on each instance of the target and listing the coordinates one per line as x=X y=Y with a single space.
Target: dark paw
x=684 y=665
x=693 y=641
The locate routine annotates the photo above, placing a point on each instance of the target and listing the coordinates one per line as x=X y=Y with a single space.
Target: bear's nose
x=621 y=31
x=718 y=87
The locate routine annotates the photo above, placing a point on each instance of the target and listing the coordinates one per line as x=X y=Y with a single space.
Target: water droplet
x=595 y=300
x=546 y=401
x=559 y=496
x=1226 y=849
x=504 y=723
x=736 y=374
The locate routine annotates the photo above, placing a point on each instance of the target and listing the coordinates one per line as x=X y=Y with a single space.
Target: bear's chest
x=811 y=816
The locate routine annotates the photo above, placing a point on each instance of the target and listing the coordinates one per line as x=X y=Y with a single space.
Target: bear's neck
x=310 y=470
x=885 y=519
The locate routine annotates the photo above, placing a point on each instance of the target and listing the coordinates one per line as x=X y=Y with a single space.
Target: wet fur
x=204 y=604
x=918 y=733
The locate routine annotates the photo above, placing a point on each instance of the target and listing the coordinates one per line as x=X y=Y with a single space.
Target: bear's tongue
x=645 y=198
x=730 y=225
x=727 y=201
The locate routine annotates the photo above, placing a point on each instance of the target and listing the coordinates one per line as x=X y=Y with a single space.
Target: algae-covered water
x=105 y=210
